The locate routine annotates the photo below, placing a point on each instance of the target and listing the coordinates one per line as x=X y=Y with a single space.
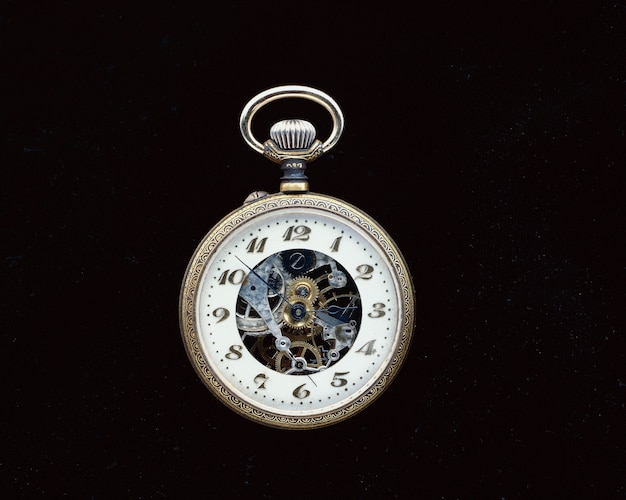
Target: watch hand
x=334 y=309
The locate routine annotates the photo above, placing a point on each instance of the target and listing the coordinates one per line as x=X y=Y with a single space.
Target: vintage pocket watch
x=297 y=308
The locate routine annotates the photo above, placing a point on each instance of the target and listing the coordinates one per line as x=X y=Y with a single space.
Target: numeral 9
x=221 y=313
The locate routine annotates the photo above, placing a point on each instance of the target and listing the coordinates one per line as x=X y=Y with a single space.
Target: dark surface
x=488 y=139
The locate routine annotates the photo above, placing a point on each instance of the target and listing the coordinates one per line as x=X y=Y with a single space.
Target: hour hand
x=254 y=292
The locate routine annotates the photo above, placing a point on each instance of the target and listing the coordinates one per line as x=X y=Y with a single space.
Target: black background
x=488 y=138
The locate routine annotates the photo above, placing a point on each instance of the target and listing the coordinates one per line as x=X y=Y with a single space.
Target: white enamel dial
x=297 y=310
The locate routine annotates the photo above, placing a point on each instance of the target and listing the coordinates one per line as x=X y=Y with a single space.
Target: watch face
x=297 y=310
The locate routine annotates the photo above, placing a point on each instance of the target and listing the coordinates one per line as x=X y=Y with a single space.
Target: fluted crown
x=293 y=134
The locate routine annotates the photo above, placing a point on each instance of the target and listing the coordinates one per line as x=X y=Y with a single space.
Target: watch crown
x=293 y=134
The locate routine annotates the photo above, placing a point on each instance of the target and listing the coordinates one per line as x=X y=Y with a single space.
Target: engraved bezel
x=211 y=245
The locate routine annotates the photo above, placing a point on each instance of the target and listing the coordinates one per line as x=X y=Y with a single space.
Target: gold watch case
x=296 y=309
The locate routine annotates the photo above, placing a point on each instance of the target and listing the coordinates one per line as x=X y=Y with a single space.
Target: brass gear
x=298 y=312
x=303 y=287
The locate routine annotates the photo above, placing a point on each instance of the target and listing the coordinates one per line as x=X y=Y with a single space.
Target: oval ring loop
x=285 y=91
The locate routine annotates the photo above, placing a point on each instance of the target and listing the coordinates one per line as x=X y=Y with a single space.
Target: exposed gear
x=319 y=318
x=304 y=350
x=303 y=287
x=264 y=349
x=298 y=312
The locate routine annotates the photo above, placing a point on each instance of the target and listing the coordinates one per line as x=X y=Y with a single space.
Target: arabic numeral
x=378 y=310
x=335 y=246
x=234 y=278
x=300 y=392
x=221 y=313
x=253 y=246
x=294 y=233
x=365 y=272
x=368 y=348
x=338 y=380
x=234 y=352
x=260 y=380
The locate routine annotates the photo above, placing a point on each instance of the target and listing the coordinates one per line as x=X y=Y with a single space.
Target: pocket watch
x=297 y=308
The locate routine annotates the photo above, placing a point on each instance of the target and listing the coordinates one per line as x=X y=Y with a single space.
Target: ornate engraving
x=208 y=246
x=277 y=155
